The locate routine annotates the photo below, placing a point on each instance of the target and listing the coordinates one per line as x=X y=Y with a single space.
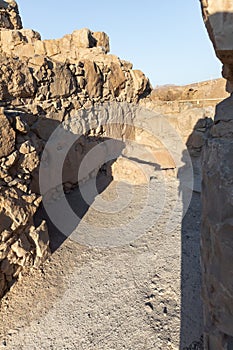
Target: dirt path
x=141 y=295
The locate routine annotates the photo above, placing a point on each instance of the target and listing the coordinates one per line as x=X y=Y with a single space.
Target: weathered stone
x=40 y=238
x=140 y=82
x=217 y=216
x=116 y=79
x=7 y=136
x=93 y=78
x=44 y=127
x=9 y=15
x=21 y=126
x=102 y=40
x=83 y=38
x=63 y=84
x=16 y=79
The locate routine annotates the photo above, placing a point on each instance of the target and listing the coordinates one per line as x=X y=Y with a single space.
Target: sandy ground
x=141 y=293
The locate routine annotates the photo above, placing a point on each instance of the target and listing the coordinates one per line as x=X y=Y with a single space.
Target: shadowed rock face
x=217 y=218
x=9 y=15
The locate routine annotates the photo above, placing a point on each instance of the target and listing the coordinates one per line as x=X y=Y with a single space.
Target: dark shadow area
x=78 y=205
x=141 y=161
x=191 y=329
x=91 y=187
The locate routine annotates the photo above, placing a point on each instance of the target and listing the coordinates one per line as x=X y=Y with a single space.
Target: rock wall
x=45 y=83
x=217 y=219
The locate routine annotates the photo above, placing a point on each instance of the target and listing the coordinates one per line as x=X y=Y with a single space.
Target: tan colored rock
x=93 y=79
x=63 y=84
x=83 y=38
x=18 y=210
x=218 y=16
x=116 y=78
x=21 y=126
x=7 y=136
x=140 y=82
x=40 y=48
x=211 y=89
x=125 y=170
x=102 y=39
x=51 y=47
x=9 y=15
x=40 y=238
x=16 y=79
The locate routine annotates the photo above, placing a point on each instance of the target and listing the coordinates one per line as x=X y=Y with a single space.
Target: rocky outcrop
x=9 y=15
x=217 y=218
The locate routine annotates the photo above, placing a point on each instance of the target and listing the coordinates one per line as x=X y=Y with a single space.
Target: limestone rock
x=9 y=15
x=63 y=84
x=16 y=79
x=93 y=78
x=40 y=238
x=7 y=136
x=117 y=79
x=83 y=38
x=218 y=16
x=102 y=40
x=140 y=82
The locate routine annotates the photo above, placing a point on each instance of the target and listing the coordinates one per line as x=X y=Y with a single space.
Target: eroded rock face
x=218 y=17
x=217 y=218
x=9 y=15
x=7 y=136
x=21 y=243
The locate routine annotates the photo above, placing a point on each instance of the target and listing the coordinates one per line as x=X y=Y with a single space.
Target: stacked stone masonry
x=43 y=83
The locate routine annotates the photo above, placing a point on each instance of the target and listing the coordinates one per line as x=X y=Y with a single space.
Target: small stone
x=21 y=126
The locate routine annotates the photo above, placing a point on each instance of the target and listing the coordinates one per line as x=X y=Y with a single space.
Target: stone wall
x=217 y=218
x=45 y=83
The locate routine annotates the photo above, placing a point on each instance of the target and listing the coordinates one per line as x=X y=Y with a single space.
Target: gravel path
x=138 y=295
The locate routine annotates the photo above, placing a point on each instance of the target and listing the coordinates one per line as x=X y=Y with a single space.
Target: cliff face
x=217 y=237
